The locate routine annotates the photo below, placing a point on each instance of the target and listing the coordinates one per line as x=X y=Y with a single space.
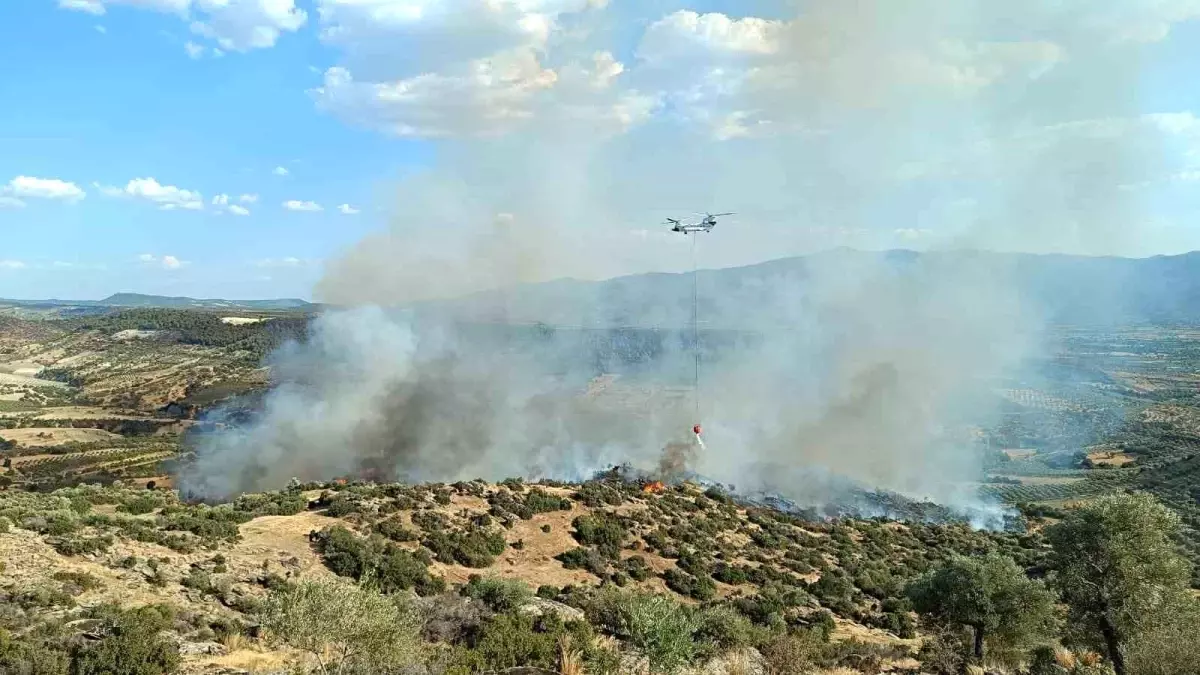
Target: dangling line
x=695 y=331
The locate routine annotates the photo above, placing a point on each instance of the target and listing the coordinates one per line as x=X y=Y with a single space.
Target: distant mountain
x=1061 y=288
x=138 y=300
x=161 y=301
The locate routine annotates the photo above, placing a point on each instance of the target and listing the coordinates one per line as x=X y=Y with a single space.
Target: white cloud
x=101 y=29
x=242 y=25
x=280 y=171
x=248 y=199
x=223 y=203
x=280 y=262
x=43 y=188
x=911 y=233
x=686 y=34
x=605 y=69
x=404 y=38
x=167 y=197
x=12 y=265
x=486 y=97
x=235 y=25
x=296 y=205
x=7 y=202
x=347 y=209
x=95 y=7
x=167 y=262
x=109 y=190
x=194 y=50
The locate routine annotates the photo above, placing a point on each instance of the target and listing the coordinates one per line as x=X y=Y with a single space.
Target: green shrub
x=385 y=564
x=656 y=625
x=604 y=531
x=501 y=595
x=33 y=654
x=584 y=558
x=597 y=493
x=354 y=628
x=79 y=580
x=345 y=553
x=342 y=505
x=724 y=628
x=475 y=547
x=394 y=529
x=730 y=574
x=399 y=570
x=700 y=588
x=144 y=503
x=42 y=597
x=512 y=640
x=637 y=569
x=539 y=501
x=57 y=524
x=75 y=546
x=796 y=653
x=286 y=503
x=211 y=523
x=131 y=645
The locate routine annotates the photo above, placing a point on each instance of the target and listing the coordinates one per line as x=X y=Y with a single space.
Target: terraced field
x=108 y=397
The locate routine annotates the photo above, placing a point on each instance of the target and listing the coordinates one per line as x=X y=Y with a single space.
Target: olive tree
x=991 y=596
x=345 y=627
x=1117 y=567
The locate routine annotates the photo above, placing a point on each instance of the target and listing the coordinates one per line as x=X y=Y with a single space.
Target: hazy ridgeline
x=862 y=370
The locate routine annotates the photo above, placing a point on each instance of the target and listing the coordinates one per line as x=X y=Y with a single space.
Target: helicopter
x=705 y=225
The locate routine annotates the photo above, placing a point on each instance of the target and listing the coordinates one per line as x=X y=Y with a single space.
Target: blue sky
x=141 y=141
x=108 y=99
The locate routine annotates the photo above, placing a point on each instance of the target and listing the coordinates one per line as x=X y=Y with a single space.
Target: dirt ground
x=1110 y=458
x=39 y=437
x=8 y=378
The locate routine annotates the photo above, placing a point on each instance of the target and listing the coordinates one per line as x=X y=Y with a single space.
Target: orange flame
x=654 y=487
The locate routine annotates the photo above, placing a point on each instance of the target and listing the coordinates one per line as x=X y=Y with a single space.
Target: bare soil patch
x=38 y=437
x=1110 y=458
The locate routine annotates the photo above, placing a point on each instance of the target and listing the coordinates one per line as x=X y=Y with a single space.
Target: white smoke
x=865 y=123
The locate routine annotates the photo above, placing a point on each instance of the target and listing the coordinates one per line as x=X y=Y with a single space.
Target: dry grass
x=570 y=659
x=38 y=437
x=1110 y=458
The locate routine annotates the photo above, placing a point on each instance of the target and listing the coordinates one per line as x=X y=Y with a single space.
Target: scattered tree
x=1117 y=567
x=991 y=596
x=346 y=628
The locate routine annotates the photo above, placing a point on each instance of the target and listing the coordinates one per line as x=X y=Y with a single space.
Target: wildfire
x=653 y=487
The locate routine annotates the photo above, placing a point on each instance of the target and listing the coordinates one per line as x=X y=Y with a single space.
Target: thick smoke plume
x=868 y=123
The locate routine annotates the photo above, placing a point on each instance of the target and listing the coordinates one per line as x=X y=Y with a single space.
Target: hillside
x=1066 y=289
x=70 y=552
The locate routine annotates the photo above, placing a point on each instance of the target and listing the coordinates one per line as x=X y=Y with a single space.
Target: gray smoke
x=866 y=123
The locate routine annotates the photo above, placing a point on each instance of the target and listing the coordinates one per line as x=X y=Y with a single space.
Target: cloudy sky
x=251 y=148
